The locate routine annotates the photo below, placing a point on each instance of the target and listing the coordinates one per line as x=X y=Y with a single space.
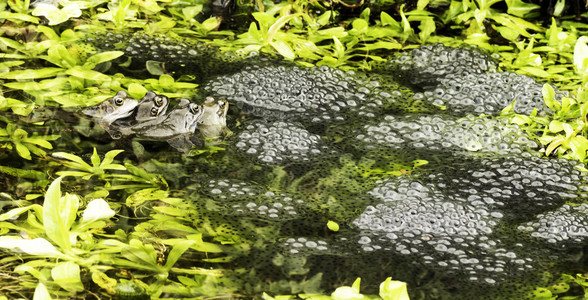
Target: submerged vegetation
x=146 y=222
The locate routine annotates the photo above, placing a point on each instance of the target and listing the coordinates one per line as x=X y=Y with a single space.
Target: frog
x=214 y=118
x=107 y=112
x=149 y=108
x=177 y=127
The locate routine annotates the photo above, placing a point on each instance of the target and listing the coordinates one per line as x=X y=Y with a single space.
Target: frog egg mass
x=280 y=142
x=486 y=215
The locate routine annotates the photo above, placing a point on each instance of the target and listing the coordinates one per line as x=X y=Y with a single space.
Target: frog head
x=214 y=117
x=118 y=107
x=151 y=106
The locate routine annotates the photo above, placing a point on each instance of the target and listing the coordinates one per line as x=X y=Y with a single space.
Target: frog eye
x=194 y=109
x=118 y=101
x=154 y=111
x=159 y=100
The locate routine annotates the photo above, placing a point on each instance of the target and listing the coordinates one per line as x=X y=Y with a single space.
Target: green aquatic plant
x=389 y=290
x=74 y=82
x=65 y=252
x=13 y=137
x=562 y=133
x=129 y=177
x=560 y=286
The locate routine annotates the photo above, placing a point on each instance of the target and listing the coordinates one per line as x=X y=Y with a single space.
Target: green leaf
x=284 y=49
x=79 y=71
x=324 y=18
x=554 y=144
x=520 y=8
x=386 y=19
x=393 y=290
x=203 y=246
x=581 y=56
x=559 y=7
x=76 y=161
x=18 y=16
x=56 y=214
x=104 y=57
x=32 y=73
x=37 y=247
x=155 y=67
x=333 y=226
x=109 y=158
x=22 y=150
x=137 y=198
x=190 y=12
x=278 y=25
x=426 y=28
x=508 y=33
x=56 y=15
x=549 y=98
x=556 y=126
x=137 y=91
x=103 y=281
x=211 y=23
x=538 y=72
x=67 y=276
x=360 y=25
x=41 y=292
x=166 y=81
x=176 y=252
x=145 y=255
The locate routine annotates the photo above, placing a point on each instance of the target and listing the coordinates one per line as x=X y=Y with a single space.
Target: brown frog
x=214 y=118
x=118 y=107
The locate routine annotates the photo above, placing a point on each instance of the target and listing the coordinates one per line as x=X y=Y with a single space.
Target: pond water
x=426 y=182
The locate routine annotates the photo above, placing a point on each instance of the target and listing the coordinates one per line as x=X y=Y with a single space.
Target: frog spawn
x=422 y=67
x=246 y=199
x=446 y=133
x=456 y=220
x=487 y=93
x=443 y=230
x=295 y=94
x=484 y=197
x=280 y=142
x=568 y=224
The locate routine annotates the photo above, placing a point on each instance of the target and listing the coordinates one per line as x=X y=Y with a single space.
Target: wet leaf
x=333 y=226
x=67 y=276
x=57 y=210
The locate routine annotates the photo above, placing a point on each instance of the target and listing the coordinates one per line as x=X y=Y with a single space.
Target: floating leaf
x=333 y=226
